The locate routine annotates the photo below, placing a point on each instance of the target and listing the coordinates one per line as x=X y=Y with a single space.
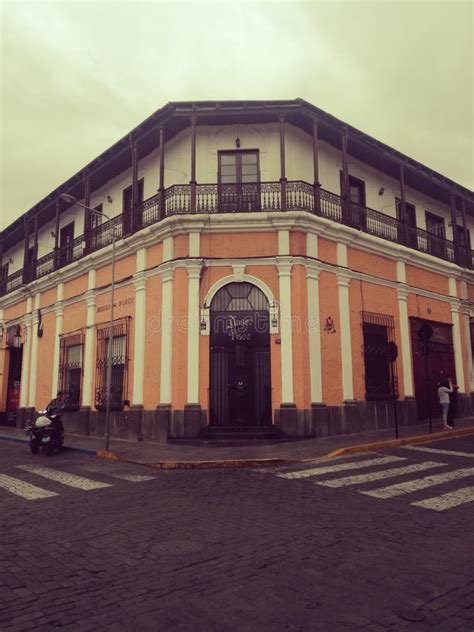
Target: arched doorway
x=240 y=381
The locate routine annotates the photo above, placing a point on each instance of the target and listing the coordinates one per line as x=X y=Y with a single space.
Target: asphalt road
x=379 y=541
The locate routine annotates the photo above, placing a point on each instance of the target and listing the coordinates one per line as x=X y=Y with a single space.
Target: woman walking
x=444 y=391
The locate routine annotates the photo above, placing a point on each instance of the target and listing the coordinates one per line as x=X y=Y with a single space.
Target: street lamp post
x=108 y=379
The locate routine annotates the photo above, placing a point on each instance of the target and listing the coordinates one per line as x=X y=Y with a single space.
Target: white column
x=194 y=244
x=343 y=281
x=467 y=338
x=314 y=334
x=34 y=351
x=166 y=334
x=458 y=363
x=89 y=342
x=312 y=245
x=194 y=273
x=283 y=242
x=405 y=343
x=139 y=282
x=284 y=277
x=59 y=312
x=25 y=362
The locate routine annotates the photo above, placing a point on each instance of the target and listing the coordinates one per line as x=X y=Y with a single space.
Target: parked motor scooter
x=47 y=431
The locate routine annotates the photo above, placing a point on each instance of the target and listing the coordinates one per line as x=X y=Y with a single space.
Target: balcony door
x=411 y=234
x=239 y=181
x=436 y=235
x=127 y=207
x=357 y=210
x=66 y=245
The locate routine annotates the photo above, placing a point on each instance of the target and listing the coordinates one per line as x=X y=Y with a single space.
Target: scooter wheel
x=48 y=450
x=34 y=447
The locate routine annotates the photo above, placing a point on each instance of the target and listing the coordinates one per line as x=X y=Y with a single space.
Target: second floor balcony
x=241 y=197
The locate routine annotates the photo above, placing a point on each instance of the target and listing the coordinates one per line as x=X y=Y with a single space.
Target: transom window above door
x=238 y=166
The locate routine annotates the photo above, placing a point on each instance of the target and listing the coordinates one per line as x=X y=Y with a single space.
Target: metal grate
x=381 y=381
x=70 y=369
x=120 y=360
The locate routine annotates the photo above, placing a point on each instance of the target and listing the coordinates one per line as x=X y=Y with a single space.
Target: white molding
x=341 y=254
x=25 y=366
x=238 y=272
x=59 y=309
x=283 y=242
x=286 y=334
x=314 y=334
x=87 y=376
x=34 y=352
x=139 y=282
x=141 y=259
x=166 y=336
x=467 y=337
x=343 y=281
x=312 y=245
x=453 y=289
x=168 y=249
x=401 y=272
x=458 y=359
x=193 y=335
x=194 y=243
x=405 y=341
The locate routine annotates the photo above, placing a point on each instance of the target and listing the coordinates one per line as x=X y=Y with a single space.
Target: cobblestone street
x=114 y=546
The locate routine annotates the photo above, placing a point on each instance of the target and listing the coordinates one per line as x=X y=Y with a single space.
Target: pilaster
x=343 y=281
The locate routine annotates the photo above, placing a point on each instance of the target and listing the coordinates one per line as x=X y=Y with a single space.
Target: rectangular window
x=70 y=369
x=380 y=371
x=66 y=245
x=412 y=238
x=436 y=235
x=118 y=383
x=357 y=209
x=239 y=178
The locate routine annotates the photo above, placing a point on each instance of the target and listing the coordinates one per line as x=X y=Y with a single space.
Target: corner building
x=275 y=271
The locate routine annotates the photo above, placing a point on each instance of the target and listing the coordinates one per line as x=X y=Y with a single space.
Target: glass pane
x=249 y=159
x=251 y=177
x=249 y=169
x=228 y=170
x=228 y=179
x=228 y=159
x=74 y=355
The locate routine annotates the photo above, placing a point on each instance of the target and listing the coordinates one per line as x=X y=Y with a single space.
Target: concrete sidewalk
x=208 y=455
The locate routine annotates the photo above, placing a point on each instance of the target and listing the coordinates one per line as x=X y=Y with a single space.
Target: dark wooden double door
x=239 y=181
x=240 y=382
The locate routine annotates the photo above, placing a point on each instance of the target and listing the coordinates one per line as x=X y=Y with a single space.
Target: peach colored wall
x=299 y=311
x=470 y=292
x=44 y=376
x=418 y=307
x=180 y=246
x=124 y=303
x=15 y=311
x=48 y=298
x=330 y=343
x=151 y=390
x=427 y=280
x=236 y=244
x=180 y=338
x=267 y=274
x=297 y=243
x=327 y=251
x=75 y=287
x=380 y=300
x=74 y=317
x=154 y=255
x=464 y=348
x=369 y=263
x=124 y=268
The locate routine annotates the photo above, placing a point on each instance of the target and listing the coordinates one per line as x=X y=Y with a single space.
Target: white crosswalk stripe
x=376 y=476
x=447 y=501
x=467 y=455
x=132 y=478
x=72 y=480
x=340 y=467
x=420 y=483
x=23 y=489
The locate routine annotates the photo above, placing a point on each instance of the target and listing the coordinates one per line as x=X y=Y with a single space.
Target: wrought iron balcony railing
x=181 y=199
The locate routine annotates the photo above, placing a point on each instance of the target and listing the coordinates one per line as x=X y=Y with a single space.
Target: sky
x=77 y=76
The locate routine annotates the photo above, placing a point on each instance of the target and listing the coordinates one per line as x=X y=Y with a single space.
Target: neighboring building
x=267 y=258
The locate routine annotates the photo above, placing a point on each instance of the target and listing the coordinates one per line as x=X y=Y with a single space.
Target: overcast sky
x=77 y=76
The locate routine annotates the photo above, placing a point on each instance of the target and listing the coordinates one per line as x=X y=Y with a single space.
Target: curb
x=393 y=443
x=66 y=448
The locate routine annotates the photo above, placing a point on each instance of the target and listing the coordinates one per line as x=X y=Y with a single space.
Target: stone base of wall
x=353 y=416
x=138 y=424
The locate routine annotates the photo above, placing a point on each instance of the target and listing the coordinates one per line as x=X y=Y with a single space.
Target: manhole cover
x=176 y=547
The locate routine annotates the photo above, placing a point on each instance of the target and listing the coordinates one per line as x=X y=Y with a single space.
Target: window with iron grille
x=380 y=374
x=119 y=374
x=70 y=369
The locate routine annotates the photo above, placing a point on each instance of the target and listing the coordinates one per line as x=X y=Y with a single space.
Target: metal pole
x=109 y=348
x=395 y=414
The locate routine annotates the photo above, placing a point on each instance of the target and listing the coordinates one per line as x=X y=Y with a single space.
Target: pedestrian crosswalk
x=360 y=474
x=27 y=490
